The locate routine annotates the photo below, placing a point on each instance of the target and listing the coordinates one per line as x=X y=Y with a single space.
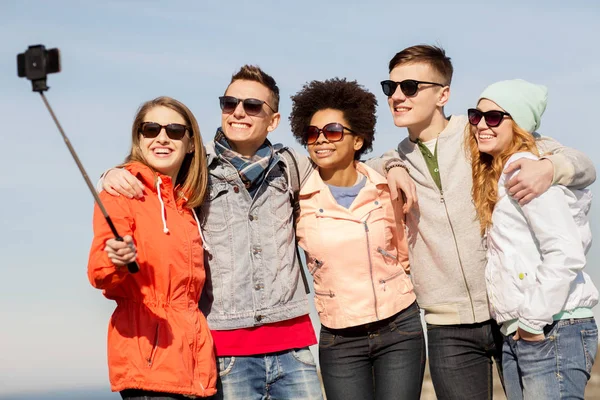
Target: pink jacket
x=358 y=256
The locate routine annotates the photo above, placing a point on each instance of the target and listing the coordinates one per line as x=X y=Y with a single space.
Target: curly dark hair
x=354 y=100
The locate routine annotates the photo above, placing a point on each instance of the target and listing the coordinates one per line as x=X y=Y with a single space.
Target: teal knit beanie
x=524 y=101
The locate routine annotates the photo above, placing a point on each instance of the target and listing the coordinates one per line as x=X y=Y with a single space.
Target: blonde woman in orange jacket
x=371 y=343
x=159 y=344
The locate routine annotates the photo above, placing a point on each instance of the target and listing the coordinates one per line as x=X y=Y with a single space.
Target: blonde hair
x=193 y=174
x=487 y=169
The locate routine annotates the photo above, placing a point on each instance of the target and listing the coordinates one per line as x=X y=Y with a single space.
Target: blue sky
x=117 y=54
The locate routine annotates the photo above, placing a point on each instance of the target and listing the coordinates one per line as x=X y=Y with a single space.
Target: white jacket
x=536 y=255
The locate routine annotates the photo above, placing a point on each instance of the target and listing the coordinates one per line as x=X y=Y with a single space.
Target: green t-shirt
x=431 y=161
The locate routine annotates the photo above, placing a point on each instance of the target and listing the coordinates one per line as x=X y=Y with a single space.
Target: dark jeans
x=138 y=394
x=382 y=360
x=460 y=359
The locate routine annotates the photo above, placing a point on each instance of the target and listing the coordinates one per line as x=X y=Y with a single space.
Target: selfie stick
x=35 y=64
x=132 y=266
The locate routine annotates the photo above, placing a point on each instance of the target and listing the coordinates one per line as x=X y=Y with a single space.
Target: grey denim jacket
x=253 y=273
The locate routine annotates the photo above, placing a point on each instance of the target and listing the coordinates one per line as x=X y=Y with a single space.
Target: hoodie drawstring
x=204 y=245
x=163 y=212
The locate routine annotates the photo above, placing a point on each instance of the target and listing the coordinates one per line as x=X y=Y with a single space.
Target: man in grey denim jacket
x=254 y=299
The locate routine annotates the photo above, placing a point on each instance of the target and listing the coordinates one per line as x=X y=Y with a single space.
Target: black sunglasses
x=408 y=86
x=151 y=130
x=251 y=106
x=333 y=132
x=492 y=118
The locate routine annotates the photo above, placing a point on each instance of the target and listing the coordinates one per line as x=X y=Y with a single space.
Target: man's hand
x=533 y=180
x=399 y=180
x=118 y=181
x=121 y=253
x=528 y=337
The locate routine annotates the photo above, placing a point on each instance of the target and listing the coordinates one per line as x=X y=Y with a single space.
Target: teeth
x=162 y=151
x=323 y=151
x=486 y=137
x=401 y=109
x=241 y=126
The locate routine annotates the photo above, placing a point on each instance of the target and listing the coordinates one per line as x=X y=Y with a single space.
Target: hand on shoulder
x=119 y=181
x=529 y=177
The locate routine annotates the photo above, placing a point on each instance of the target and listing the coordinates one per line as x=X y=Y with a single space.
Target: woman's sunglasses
x=251 y=106
x=492 y=118
x=333 y=132
x=409 y=86
x=151 y=130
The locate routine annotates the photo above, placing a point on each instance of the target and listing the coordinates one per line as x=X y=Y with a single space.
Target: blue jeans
x=382 y=360
x=285 y=375
x=557 y=367
x=460 y=359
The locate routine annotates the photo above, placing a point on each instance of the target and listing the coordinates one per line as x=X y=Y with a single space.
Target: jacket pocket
x=507 y=281
x=324 y=303
x=491 y=289
x=151 y=354
x=329 y=294
x=216 y=208
x=314 y=266
x=401 y=286
x=279 y=197
x=387 y=254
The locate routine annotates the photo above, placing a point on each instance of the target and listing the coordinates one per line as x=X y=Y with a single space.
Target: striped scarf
x=251 y=170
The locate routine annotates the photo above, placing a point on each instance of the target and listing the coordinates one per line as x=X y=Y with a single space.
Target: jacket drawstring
x=163 y=212
x=204 y=245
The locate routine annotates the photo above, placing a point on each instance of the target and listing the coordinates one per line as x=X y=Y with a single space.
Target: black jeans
x=138 y=394
x=382 y=360
x=460 y=359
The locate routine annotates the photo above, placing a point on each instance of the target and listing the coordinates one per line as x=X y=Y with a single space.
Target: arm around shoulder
x=399 y=230
x=572 y=168
x=379 y=163
x=305 y=165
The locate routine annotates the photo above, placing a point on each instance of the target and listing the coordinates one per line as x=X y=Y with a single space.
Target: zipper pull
x=382 y=282
x=366 y=226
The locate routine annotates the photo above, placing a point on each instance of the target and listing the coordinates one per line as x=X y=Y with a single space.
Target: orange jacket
x=158 y=340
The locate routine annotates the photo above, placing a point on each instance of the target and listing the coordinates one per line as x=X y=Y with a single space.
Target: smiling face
x=247 y=133
x=416 y=112
x=493 y=140
x=333 y=155
x=162 y=153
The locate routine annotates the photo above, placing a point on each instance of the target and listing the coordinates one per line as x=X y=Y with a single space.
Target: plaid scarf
x=252 y=170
